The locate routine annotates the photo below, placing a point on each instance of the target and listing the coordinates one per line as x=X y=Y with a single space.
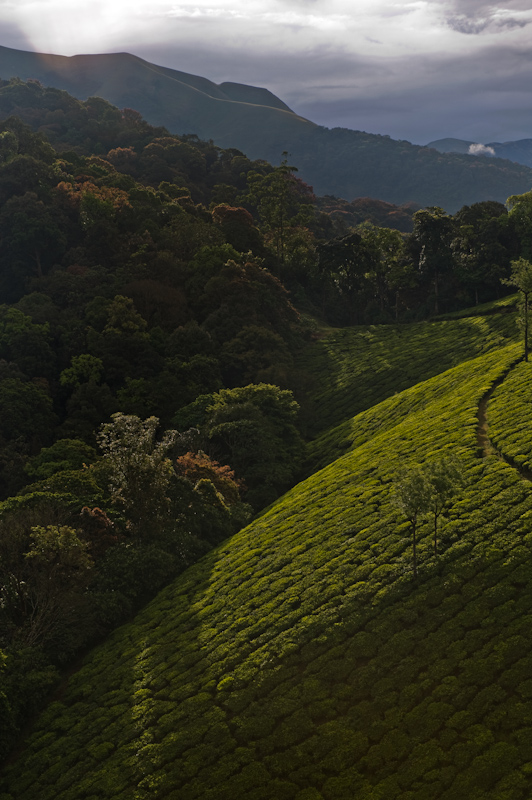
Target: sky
x=412 y=69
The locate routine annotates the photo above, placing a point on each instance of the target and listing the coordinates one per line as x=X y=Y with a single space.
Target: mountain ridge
x=519 y=151
x=338 y=161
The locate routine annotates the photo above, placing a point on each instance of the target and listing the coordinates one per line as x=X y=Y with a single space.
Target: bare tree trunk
x=526 y=326
x=414 y=548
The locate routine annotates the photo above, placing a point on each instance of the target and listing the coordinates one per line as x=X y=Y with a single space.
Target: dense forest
x=157 y=292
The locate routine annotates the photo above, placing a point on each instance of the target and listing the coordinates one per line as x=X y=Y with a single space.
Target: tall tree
x=444 y=477
x=139 y=470
x=284 y=202
x=481 y=248
x=521 y=278
x=411 y=495
x=253 y=428
x=432 y=235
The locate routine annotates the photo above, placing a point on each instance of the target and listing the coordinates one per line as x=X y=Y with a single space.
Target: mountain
x=181 y=102
x=337 y=161
x=301 y=659
x=519 y=151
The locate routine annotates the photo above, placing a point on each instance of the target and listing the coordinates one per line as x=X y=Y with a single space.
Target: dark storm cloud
x=473 y=17
x=435 y=98
x=466 y=25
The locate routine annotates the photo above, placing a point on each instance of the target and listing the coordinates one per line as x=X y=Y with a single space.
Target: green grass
x=301 y=660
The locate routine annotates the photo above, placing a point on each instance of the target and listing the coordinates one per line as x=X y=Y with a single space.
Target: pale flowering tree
x=139 y=470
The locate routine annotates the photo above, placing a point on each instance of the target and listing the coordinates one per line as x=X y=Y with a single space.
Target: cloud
x=480 y=150
x=473 y=17
x=466 y=25
x=195 y=12
x=289 y=18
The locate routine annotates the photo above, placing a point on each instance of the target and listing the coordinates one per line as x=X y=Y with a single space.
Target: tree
x=387 y=246
x=83 y=369
x=58 y=574
x=412 y=495
x=139 y=470
x=25 y=343
x=45 y=571
x=213 y=509
x=444 y=477
x=65 y=454
x=31 y=240
x=283 y=201
x=521 y=278
x=432 y=235
x=481 y=248
x=346 y=261
x=520 y=211
x=253 y=428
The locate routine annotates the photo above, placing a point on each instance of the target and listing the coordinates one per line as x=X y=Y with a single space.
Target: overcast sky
x=418 y=70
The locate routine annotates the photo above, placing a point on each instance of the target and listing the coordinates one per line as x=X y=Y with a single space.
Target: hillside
x=341 y=162
x=519 y=151
x=300 y=659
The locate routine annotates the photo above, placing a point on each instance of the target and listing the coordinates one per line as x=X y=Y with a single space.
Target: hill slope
x=300 y=660
x=519 y=151
x=337 y=162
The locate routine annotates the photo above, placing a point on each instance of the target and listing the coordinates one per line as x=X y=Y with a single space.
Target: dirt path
x=484 y=445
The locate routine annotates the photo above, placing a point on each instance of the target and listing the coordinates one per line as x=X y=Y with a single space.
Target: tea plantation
x=355 y=368
x=301 y=660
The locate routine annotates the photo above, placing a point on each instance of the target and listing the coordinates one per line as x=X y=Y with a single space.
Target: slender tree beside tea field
x=411 y=496
x=521 y=278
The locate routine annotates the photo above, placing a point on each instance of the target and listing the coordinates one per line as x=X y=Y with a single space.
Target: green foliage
x=412 y=494
x=284 y=204
x=253 y=428
x=521 y=277
x=84 y=369
x=426 y=489
x=139 y=470
x=509 y=417
x=66 y=454
x=25 y=343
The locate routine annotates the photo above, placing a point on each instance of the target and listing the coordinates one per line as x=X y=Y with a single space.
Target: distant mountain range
x=519 y=151
x=340 y=162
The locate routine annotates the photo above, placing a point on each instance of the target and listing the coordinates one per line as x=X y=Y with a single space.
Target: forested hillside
x=346 y=163
x=186 y=337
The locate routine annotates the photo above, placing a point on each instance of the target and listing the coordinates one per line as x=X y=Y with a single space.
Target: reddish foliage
x=199 y=466
x=98 y=531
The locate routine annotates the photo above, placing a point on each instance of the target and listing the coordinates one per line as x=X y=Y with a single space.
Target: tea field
x=350 y=370
x=301 y=660
x=510 y=417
